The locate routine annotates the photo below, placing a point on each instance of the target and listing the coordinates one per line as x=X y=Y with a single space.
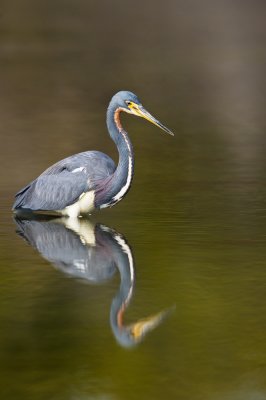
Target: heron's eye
x=129 y=103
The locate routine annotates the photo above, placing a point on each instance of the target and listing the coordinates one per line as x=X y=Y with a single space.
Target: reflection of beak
x=139 y=329
x=140 y=111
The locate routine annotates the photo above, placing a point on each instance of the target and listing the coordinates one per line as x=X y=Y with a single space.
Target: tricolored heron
x=90 y=180
x=93 y=253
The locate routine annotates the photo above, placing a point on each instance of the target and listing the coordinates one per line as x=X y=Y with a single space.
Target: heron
x=88 y=181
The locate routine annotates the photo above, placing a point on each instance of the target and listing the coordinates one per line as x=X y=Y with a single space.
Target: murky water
x=164 y=295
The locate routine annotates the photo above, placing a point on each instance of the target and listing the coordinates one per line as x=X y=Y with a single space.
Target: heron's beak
x=140 y=111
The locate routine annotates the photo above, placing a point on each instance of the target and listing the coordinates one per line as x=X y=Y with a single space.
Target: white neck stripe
x=125 y=188
x=126 y=250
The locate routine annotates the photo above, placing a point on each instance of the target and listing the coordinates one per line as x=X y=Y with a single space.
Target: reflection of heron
x=90 y=180
x=80 y=249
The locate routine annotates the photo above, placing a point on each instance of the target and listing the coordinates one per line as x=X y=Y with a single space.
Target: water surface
x=194 y=220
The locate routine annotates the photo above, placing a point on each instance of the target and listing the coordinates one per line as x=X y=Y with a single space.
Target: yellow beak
x=140 y=111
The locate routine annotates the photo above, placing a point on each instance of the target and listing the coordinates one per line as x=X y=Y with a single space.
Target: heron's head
x=129 y=103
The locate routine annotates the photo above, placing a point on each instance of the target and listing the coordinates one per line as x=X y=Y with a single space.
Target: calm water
x=164 y=295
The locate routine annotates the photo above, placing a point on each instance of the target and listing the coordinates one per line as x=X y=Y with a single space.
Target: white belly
x=84 y=205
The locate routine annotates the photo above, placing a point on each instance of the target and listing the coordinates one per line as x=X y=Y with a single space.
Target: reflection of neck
x=125 y=264
x=129 y=335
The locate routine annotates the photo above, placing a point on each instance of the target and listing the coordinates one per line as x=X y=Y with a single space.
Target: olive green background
x=195 y=217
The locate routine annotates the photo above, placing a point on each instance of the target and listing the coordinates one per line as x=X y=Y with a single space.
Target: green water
x=194 y=219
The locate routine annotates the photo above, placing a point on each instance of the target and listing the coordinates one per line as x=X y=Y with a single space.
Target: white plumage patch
x=125 y=248
x=125 y=188
x=119 y=195
x=84 y=205
x=127 y=251
x=79 y=169
x=83 y=228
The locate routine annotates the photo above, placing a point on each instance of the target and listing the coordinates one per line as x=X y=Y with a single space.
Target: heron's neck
x=120 y=182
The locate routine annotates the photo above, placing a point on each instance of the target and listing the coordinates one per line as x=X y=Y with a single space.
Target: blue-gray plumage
x=90 y=180
x=62 y=183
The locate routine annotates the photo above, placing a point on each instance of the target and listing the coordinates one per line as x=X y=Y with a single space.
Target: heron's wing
x=52 y=192
x=62 y=184
x=95 y=164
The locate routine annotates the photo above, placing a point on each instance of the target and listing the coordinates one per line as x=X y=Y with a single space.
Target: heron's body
x=90 y=180
x=67 y=187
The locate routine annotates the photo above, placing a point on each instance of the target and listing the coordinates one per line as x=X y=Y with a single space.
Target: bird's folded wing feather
x=52 y=192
